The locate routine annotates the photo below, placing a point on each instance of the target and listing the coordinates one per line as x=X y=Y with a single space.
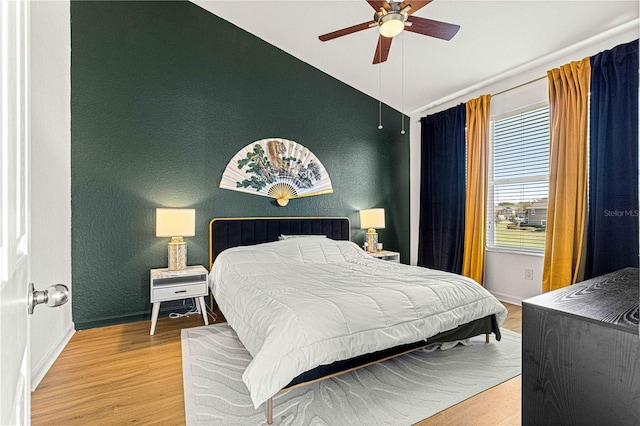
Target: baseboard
x=507 y=298
x=165 y=309
x=113 y=320
x=47 y=361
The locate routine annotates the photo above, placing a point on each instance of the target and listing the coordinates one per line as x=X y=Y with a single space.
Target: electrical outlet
x=528 y=273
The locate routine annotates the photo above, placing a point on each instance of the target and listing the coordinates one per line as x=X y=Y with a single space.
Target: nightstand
x=392 y=256
x=175 y=285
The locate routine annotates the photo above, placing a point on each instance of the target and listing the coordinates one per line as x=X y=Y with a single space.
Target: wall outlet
x=528 y=273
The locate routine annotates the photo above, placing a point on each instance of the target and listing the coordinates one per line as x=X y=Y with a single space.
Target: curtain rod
x=507 y=90
x=588 y=43
x=518 y=86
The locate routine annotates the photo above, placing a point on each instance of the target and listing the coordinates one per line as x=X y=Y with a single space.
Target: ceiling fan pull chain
x=402 y=132
x=380 y=84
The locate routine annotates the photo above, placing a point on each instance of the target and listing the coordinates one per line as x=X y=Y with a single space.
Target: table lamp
x=371 y=219
x=176 y=223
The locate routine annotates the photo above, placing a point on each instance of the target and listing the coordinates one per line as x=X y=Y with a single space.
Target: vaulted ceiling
x=495 y=36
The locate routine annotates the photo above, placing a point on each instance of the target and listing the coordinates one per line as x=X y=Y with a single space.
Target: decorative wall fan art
x=276 y=168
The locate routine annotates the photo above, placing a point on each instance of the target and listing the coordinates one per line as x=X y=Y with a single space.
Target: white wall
x=521 y=87
x=51 y=328
x=504 y=275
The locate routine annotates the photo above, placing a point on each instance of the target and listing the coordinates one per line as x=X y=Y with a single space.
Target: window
x=519 y=181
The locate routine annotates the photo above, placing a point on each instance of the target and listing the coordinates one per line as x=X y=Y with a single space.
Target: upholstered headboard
x=232 y=232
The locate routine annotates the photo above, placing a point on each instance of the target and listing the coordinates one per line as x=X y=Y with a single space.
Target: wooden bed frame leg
x=270 y=411
x=486 y=338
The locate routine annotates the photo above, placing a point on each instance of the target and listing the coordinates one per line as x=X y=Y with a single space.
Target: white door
x=14 y=214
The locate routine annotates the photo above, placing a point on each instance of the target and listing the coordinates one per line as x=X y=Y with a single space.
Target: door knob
x=54 y=295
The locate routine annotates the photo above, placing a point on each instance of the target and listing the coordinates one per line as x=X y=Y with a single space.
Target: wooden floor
x=120 y=375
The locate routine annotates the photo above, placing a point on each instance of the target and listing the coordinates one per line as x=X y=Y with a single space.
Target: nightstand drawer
x=179 y=292
x=185 y=283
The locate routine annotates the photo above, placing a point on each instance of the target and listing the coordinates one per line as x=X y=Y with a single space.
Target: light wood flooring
x=120 y=375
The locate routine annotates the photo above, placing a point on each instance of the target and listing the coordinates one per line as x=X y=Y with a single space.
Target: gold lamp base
x=372 y=240
x=177 y=254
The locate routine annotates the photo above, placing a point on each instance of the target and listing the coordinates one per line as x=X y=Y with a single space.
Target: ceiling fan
x=391 y=18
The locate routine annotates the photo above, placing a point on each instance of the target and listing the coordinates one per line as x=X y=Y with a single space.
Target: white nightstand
x=175 y=285
x=392 y=256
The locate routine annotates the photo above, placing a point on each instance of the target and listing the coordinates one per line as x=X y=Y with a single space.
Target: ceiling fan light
x=391 y=25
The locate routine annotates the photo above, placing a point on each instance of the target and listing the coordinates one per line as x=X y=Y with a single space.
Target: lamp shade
x=392 y=25
x=372 y=218
x=175 y=222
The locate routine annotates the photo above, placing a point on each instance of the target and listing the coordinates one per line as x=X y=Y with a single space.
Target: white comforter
x=303 y=302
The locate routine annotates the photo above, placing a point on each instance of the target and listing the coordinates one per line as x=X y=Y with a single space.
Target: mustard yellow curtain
x=475 y=236
x=566 y=216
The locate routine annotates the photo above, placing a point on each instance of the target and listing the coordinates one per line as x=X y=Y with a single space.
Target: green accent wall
x=163 y=95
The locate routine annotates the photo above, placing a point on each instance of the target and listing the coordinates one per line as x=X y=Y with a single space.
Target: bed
x=314 y=305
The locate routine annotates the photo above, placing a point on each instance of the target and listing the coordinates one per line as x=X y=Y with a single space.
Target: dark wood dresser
x=581 y=353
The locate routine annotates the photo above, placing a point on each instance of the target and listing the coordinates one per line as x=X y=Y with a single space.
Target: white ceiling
x=495 y=36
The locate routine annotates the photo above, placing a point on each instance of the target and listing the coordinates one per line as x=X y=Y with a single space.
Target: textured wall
x=163 y=95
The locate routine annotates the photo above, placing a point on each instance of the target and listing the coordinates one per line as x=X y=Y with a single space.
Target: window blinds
x=519 y=181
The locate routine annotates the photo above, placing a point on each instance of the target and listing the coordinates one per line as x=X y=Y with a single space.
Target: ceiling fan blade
x=345 y=31
x=382 y=49
x=376 y=5
x=432 y=28
x=415 y=5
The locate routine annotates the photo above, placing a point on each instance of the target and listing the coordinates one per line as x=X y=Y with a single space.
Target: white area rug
x=400 y=391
